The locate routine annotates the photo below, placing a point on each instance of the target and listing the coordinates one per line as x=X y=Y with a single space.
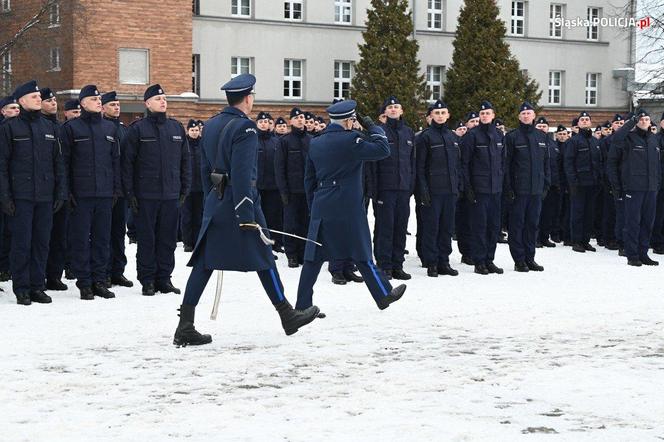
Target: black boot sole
x=293 y=328
x=178 y=342
x=394 y=296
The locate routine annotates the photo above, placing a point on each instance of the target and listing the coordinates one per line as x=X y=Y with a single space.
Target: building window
x=592 y=85
x=343 y=73
x=196 y=74
x=293 y=78
x=241 y=8
x=435 y=15
x=293 y=10
x=518 y=19
x=7 y=73
x=592 y=31
x=54 y=15
x=5 y=5
x=555 y=87
x=134 y=66
x=240 y=65
x=435 y=82
x=555 y=28
x=196 y=7
x=342 y=11
x=55 y=59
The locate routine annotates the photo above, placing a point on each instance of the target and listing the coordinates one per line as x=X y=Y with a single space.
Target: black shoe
x=69 y=275
x=394 y=296
x=23 y=298
x=538 y=245
x=601 y=242
x=56 y=284
x=388 y=274
x=148 y=289
x=292 y=263
x=481 y=269
x=634 y=262
x=86 y=293
x=556 y=239
x=352 y=276
x=445 y=269
x=121 y=281
x=611 y=245
x=568 y=243
x=338 y=278
x=185 y=333
x=492 y=268
x=400 y=274
x=188 y=248
x=548 y=243
x=467 y=260
x=100 y=289
x=589 y=248
x=108 y=283
x=649 y=262
x=406 y=252
x=432 y=272
x=656 y=251
x=5 y=276
x=40 y=297
x=579 y=248
x=621 y=252
x=166 y=287
x=292 y=320
x=521 y=267
x=532 y=265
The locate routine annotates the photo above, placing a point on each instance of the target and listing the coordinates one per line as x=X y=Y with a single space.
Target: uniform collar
x=157 y=117
x=30 y=115
x=50 y=117
x=90 y=116
x=235 y=111
x=115 y=121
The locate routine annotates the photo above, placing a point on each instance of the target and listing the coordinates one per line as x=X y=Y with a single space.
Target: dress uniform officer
x=334 y=189
x=463 y=228
x=117 y=259
x=192 y=209
x=438 y=177
x=92 y=160
x=608 y=224
x=32 y=187
x=550 y=214
x=394 y=181
x=266 y=183
x=483 y=159
x=156 y=175
x=230 y=238
x=72 y=109
x=527 y=181
x=583 y=168
x=635 y=173
x=658 y=229
x=289 y=163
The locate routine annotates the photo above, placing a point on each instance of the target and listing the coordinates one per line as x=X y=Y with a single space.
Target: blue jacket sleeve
x=185 y=165
x=243 y=160
x=309 y=181
x=5 y=158
x=129 y=152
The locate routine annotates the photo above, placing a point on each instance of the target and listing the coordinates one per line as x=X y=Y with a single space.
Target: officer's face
x=527 y=116
x=606 y=131
x=487 y=116
x=561 y=136
x=194 y=132
x=440 y=116
x=382 y=118
x=617 y=125
x=394 y=111
x=461 y=131
x=543 y=127
x=474 y=122
x=92 y=104
x=158 y=103
x=584 y=123
x=297 y=121
x=71 y=114
x=31 y=102
x=263 y=124
x=281 y=129
x=11 y=110
x=112 y=109
x=50 y=106
x=644 y=123
x=310 y=123
x=321 y=126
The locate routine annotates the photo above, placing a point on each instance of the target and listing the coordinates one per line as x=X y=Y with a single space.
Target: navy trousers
x=191 y=217
x=485 y=226
x=582 y=213
x=296 y=221
x=523 y=225
x=341 y=265
x=374 y=278
x=392 y=210
x=117 y=260
x=156 y=234
x=418 y=232
x=89 y=240
x=5 y=248
x=463 y=229
x=640 y=210
x=657 y=238
x=437 y=229
x=620 y=219
x=565 y=221
x=58 y=252
x=549 y=217
x=31 y=233
x=608 y=216
x=274 y=214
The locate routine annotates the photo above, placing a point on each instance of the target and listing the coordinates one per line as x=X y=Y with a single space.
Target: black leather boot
x=186 y=334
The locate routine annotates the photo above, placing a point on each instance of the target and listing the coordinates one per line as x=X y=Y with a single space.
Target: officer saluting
x=32 y=187
x=156 y=172
x=334 y=189
x=230 y=238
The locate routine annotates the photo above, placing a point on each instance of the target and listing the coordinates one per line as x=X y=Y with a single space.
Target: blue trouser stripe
x=375 y=274
x=280 y=295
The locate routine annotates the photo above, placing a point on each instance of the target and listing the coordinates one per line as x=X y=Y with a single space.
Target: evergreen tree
x=483 y=68
x=388 y=62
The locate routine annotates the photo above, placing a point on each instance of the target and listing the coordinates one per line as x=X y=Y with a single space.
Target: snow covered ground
x=574 y=353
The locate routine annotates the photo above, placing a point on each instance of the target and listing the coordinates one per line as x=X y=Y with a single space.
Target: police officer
x=463 y=227
x=527 y=181
x=583 y=167
x=156 y=175
x=117 y=259
x=394 y=181
x=658 y=228
x=418 y=204
x=192 y=209
x=32 y=187
x=438 y=176
x=460 y=129
x=280 y=127
x=92 y=160
x=310 y=122
x=483 y=159
x=635 y=172
x=608 y=223
x=72 y=109
x=338 y=220
x=562 y=136
x=321 y=124
x=9 y=108
x=266 y=183
x=289 y=163
x=550 y=214
x=232 y=215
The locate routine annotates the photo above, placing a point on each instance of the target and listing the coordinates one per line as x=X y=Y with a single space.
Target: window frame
x=432 y=12
x=432 y=83
x=290 y=4
x=553 y=14
x=515 y=19
x=588 y=90
x=238 y=6
x=340 y=7
x=289 y=64
x=552 y=88
x=340 y=80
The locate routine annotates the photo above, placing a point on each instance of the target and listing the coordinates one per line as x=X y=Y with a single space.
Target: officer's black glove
x=284 y=199
x=470 y=195
x=72 y=201
x=8 y=207
x=133 y=204
x=57 y=205
x=182 y=198
x=425 y=199
x=366 y=122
